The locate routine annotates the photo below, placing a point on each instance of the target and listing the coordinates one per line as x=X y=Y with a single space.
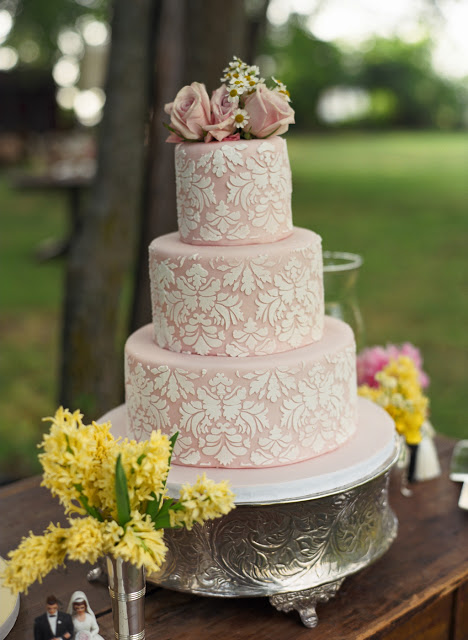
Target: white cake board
x=9 y=607
x=373 y=447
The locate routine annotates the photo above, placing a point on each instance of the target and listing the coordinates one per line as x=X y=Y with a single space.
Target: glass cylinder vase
x=340 y=274
x=127 y=587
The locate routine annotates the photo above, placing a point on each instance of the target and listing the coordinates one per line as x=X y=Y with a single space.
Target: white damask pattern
x=237 y=307
x=231 y=195
x=246 y=418
x=262 y=189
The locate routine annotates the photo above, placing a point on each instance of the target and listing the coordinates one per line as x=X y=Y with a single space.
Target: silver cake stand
x=297 y=532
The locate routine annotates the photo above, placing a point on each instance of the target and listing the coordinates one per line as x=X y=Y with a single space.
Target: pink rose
x=222 y=115
x=190 y=112
x=269 y=113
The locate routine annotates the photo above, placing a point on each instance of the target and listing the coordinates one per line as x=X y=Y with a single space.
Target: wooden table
x=417 y=591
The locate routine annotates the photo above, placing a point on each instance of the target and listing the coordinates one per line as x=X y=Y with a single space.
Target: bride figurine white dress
x=84 y=620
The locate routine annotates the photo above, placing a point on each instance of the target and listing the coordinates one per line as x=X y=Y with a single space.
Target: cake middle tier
x=237 y=301
x=253 y=412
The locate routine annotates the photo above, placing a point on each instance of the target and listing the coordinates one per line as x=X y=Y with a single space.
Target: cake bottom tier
x=261 y=411
x=370 y=452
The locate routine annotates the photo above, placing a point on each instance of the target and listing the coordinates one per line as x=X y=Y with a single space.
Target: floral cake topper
x=242 y=107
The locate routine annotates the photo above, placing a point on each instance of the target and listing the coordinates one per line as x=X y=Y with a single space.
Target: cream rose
x=269 y=113
x=222 y=115
x=190 y=112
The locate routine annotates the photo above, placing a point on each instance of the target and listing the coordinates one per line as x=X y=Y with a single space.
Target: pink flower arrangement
x=373 y=359
x=242 y=107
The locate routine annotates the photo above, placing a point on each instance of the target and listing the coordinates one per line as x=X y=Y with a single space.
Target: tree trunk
x=197 y=40
x=214 y=32
x=158 y=203
x=102 y=253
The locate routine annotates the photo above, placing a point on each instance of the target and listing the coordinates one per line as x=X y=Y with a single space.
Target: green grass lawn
x=31 y=295
x=400 y=200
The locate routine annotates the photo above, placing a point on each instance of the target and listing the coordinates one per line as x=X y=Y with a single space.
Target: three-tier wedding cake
x=240 y=358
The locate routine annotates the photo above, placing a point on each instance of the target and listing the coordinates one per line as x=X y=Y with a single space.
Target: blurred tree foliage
x=417 y=97
x=39 y=22
x=306 y=64
x=404 y=89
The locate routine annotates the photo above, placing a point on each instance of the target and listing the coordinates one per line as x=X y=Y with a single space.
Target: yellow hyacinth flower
x=119 y=486
x=205 y=500
x=85 y=540
x=141 y=544
x=400 y=394
x=34 y=558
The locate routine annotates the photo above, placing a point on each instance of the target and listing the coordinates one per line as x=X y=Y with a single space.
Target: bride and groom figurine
x=79 y=623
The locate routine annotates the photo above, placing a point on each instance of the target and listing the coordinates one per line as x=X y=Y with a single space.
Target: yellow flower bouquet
x=114 y=493
x=399 y=392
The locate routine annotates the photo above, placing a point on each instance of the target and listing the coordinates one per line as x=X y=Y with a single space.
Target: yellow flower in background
x=205 y=500
x=400 y=394
x=141 y=544
x=34 y=558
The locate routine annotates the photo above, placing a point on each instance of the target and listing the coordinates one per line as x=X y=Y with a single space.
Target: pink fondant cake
x=259 y=411
x=239 y=358
x=240 y=301
x=233 y=192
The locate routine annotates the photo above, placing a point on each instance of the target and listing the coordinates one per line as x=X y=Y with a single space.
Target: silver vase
x=127 y=587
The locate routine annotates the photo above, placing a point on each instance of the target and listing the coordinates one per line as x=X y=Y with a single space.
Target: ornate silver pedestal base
x=297 y=553
x=304 y=602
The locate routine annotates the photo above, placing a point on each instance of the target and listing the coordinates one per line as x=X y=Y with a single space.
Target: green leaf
x=83 y=500
x=152 y=508
x=121 y=493
x=177 y=133
x=92 y=511
x=163 y=520
x=172 y=440
x=69 y=449
x=270 y=134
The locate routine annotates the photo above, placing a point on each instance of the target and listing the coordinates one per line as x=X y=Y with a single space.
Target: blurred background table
x=417 y=591
x=69 y=183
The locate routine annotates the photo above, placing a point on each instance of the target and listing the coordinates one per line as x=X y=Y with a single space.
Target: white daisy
x=234 y=93
x=281 y=88
x=241 y=117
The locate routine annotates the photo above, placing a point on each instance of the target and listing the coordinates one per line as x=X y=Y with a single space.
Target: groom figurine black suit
x=53 y=625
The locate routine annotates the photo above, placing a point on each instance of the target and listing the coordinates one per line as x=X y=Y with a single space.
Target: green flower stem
x=121 y=493
x=83 y=500
x=154 y=507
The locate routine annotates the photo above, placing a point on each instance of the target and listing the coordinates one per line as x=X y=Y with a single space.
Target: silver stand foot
x=94 y=574
x=99 y=572
x=305 y=602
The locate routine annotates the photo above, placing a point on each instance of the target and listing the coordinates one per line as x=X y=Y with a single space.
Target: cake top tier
x=233 y=192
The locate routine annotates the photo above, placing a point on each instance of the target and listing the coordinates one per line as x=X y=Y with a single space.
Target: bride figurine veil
x=79 y=596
